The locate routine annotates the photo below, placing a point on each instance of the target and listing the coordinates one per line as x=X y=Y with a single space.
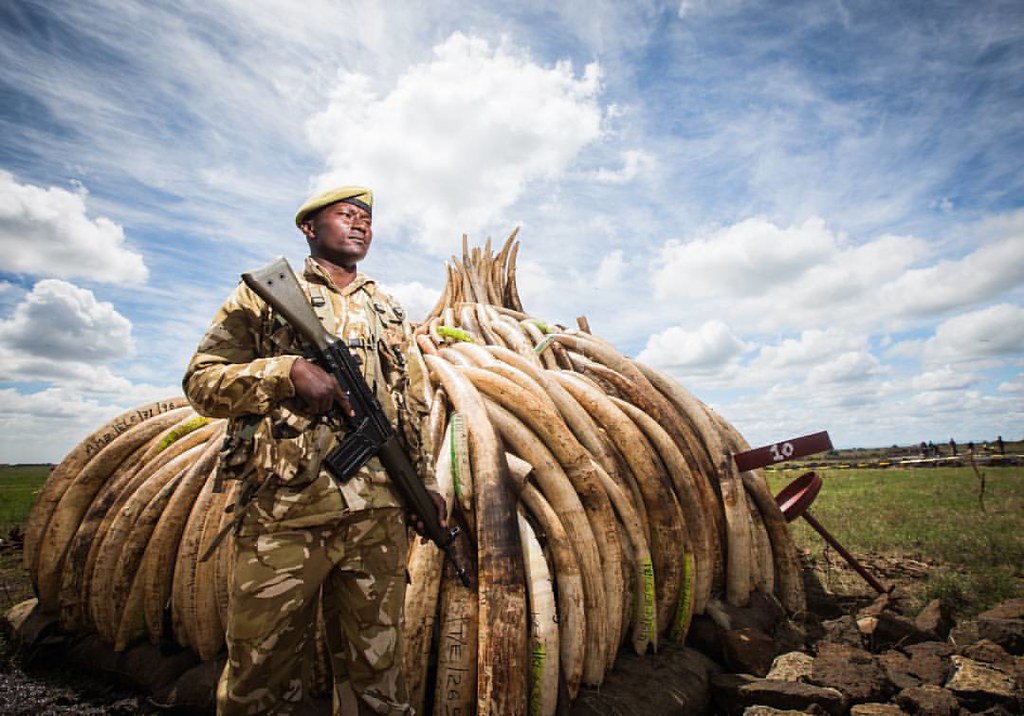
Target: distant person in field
x=1000 y=445
x=952 y=446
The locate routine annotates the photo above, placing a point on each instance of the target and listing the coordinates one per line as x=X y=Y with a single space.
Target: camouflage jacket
x=240 y=371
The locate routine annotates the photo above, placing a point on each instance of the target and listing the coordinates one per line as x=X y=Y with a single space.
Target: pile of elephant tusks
x=598 y=500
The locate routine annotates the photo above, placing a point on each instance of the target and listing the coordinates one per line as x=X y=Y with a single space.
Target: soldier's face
x=341 y=233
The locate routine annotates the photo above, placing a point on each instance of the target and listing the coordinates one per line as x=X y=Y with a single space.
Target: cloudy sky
x=811 y=212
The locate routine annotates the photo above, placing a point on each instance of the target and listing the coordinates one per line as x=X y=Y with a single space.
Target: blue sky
x=809 y=212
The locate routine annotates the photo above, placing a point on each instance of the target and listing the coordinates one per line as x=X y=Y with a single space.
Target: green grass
x=933 y=515
x=18 y=487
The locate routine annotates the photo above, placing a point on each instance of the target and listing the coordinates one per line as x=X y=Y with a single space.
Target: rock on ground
x=928 y=699
x=1004 y=625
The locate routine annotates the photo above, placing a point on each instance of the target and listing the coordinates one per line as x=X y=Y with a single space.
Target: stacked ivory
x=598 y=499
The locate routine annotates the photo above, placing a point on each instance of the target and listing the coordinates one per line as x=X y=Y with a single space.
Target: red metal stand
x=795 y=500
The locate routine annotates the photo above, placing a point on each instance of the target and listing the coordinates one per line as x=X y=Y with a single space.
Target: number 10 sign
x=785 y=450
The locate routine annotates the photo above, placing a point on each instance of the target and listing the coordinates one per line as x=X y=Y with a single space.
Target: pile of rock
x=874 y=662
x=750 y=661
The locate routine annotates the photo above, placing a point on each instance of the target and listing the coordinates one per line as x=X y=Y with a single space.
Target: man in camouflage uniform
x=304 y=540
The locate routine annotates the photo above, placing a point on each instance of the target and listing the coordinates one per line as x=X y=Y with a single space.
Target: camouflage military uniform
x=305 y=540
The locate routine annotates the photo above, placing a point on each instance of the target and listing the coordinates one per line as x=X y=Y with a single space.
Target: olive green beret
x=357 y=195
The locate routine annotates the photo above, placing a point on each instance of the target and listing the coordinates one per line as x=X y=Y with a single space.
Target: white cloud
x=690 y=8
x=65 y=323
x=748 y=258
x=60 y=336
x=43 y=426
x=686 y=7
x=985 y=338
x=69 y=375
x=812 y=346
x=610 y=271
x=456 y=140
x=1016 y=385
x=710 y=347
x=764 y=277
x=849 y=367
x=978 y=276
x=414 y=297
x=633 y=163
x=790 y=359
x=537 y=288
x=194 y=130
x=989 y=333
x=47 y=232
x=945 y=378
x=869 y=414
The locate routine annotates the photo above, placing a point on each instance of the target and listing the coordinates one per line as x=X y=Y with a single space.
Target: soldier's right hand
x=317 y=389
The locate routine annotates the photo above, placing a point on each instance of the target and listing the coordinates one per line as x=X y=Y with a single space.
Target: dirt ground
x=31 y=686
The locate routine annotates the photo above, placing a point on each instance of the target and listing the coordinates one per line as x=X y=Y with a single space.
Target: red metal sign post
x=780 y=452
x=795 y=498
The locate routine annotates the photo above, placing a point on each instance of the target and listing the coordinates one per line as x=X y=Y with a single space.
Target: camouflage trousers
x=356 y=570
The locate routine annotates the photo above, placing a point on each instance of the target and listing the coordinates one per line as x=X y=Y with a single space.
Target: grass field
x=18 y=487
x=939 y=516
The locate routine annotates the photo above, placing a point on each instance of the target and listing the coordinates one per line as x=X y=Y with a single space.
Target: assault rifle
x=369 y=431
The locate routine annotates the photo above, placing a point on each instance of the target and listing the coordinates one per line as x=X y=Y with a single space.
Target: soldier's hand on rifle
x=317 y=389
x=442 y=516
